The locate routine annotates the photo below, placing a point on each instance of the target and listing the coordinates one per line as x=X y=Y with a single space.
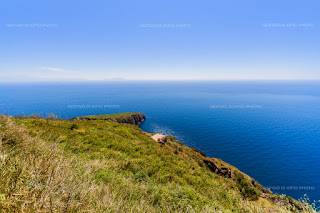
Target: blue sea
x=268 y=129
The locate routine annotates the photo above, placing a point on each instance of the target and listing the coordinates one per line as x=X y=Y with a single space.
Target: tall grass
x=54 y=165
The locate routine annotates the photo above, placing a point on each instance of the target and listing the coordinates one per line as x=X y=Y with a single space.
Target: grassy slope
x=135 y=118
x=114 y=116
x=103 y=166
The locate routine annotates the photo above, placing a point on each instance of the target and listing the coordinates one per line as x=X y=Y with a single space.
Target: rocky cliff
x=135 y=118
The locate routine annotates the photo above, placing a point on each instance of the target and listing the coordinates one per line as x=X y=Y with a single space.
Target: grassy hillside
x=129 y=117
x=124 y=116
x=54 y=165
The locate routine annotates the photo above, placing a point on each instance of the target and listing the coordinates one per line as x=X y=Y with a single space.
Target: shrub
x=245 y=187
x=74 y=126
x=140 y=176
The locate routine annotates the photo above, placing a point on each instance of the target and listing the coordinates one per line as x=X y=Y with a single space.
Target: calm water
x=269 y=130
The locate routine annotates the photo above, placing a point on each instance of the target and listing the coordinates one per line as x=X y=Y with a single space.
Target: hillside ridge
x=135 y=118
x=81 y=165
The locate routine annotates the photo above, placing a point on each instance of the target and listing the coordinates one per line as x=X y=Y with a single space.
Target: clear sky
x=159 y=40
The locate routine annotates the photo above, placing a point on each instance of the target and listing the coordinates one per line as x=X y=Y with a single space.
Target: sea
x=269 y=130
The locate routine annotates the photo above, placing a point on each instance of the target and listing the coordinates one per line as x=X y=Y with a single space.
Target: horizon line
x=153 y=80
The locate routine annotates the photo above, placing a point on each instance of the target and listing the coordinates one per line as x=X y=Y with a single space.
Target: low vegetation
x=125 y=115
x=55 y=165
x=135 y=118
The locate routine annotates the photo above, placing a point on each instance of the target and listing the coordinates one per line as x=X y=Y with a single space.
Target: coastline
x=121 y=156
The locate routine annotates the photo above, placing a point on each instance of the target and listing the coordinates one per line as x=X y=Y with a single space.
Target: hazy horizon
x=164 y=80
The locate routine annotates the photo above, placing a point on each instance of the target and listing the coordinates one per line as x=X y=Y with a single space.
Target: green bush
x=246 y=189
x=74 y=126
x=140 y=176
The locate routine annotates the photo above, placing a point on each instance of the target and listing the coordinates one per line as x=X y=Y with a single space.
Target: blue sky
x=159 y=40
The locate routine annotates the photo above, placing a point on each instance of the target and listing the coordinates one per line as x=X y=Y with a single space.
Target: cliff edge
x=135 y=118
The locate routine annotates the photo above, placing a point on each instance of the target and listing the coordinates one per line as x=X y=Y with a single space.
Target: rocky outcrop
x=133 y=118
x=159 y=138
x=221 y=170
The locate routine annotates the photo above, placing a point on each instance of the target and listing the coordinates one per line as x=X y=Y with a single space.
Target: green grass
x=103 y=166
x=124 y=116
